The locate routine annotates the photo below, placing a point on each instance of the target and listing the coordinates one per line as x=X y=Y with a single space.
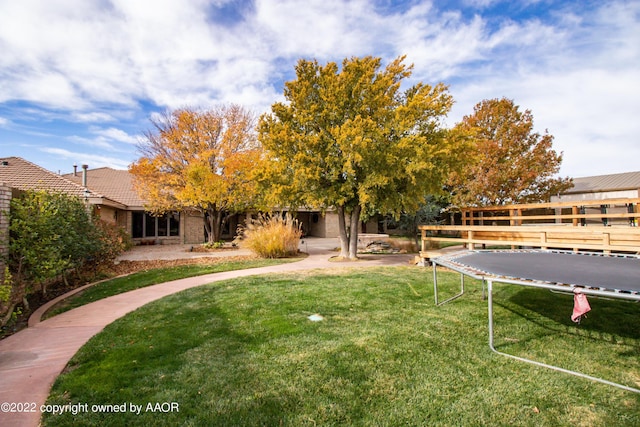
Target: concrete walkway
x=31 y=360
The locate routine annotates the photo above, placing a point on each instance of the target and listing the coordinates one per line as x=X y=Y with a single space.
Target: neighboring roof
x=602 y=183
x=115 y=184
x=24 y=175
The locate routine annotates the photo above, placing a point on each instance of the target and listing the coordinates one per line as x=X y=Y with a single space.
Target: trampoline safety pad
x=595 y=271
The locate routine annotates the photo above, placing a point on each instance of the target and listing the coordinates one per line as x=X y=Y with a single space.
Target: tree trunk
x=353 y=235
x=213 y=221
x=344 y=237
x=7 y=314
x=348 y=235
x=207 y=225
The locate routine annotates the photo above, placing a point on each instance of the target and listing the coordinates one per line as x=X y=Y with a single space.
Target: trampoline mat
x=589 y=270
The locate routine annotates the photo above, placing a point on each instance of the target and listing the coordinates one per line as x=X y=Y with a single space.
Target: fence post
x=543 y=240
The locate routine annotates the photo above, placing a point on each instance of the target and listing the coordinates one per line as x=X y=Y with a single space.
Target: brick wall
x=5 y=200
x=193 y=230
x=332 y=229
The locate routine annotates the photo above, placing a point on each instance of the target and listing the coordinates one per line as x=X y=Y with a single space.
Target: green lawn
x=243 y=352
x=154 y=276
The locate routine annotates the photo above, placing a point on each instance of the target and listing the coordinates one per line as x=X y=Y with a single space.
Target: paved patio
x=31 y=360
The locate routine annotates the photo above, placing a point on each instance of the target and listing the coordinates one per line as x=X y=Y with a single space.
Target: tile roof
x=601 y=183
x=24 y=175
x=115 y=184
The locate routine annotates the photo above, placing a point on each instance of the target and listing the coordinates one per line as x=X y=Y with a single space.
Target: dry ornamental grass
x=272 y=236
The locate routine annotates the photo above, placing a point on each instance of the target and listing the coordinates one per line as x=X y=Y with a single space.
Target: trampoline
x=612 y=276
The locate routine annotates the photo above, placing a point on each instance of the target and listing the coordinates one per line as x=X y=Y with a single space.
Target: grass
x=272 y=236
x=243 y=352
x=154 y=276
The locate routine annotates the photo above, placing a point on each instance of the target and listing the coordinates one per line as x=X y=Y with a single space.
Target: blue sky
x=80 y=79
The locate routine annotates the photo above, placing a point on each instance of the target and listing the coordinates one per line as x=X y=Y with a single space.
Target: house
x=17 y=174
x=111 y=194
x=605 y=187
x=174 y=227
x=23 y=175
x=619 y=185
x=144 y=228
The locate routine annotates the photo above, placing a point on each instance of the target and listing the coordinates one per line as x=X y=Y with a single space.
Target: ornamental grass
x=271 y=236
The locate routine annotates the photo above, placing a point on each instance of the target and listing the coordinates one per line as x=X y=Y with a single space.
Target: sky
x=80 y=80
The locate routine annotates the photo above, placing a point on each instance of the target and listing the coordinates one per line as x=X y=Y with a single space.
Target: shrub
x=50 y=236
x=213 y=245
x=112 y=241
x=271 y=236
x=50 y=233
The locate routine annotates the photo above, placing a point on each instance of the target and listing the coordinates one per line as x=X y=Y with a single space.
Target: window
x=174 y=224
x=147 y=225
x=137 y=228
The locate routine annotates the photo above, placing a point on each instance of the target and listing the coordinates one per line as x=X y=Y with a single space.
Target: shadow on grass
x=607 y=318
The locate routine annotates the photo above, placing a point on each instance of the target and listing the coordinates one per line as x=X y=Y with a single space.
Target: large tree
x=199 y=160
x=508 y=162
x=352 y=140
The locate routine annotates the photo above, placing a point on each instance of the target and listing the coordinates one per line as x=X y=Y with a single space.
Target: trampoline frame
x=447 y=262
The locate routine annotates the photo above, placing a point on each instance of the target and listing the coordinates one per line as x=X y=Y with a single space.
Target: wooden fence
x=563 y=225
x=620 y=211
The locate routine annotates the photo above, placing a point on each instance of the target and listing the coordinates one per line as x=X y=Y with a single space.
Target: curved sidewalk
x=31 y=360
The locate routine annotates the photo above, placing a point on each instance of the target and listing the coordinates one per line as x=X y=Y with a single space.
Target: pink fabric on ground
x=580 y=306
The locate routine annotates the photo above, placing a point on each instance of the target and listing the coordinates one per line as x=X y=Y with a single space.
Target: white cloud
x=59 y=54
x=93 y=160
x=96 y=62
x=108 y=139
x=98 y=142
x=115 y=134
x=92 y=117
x=322 y=28
x=74 y=56
x=578 y=78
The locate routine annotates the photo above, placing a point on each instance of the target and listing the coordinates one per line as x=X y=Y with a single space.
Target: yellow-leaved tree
x=350 y=139
x=199 y=160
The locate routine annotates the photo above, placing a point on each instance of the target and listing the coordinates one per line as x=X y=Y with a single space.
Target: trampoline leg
x=435 y=288
x=490 y=307
x=543 y=365
x=435 y=281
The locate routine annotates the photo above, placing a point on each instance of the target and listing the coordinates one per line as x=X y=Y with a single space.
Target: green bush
x=271 y=236
x=50 y=236
x=50 y=233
